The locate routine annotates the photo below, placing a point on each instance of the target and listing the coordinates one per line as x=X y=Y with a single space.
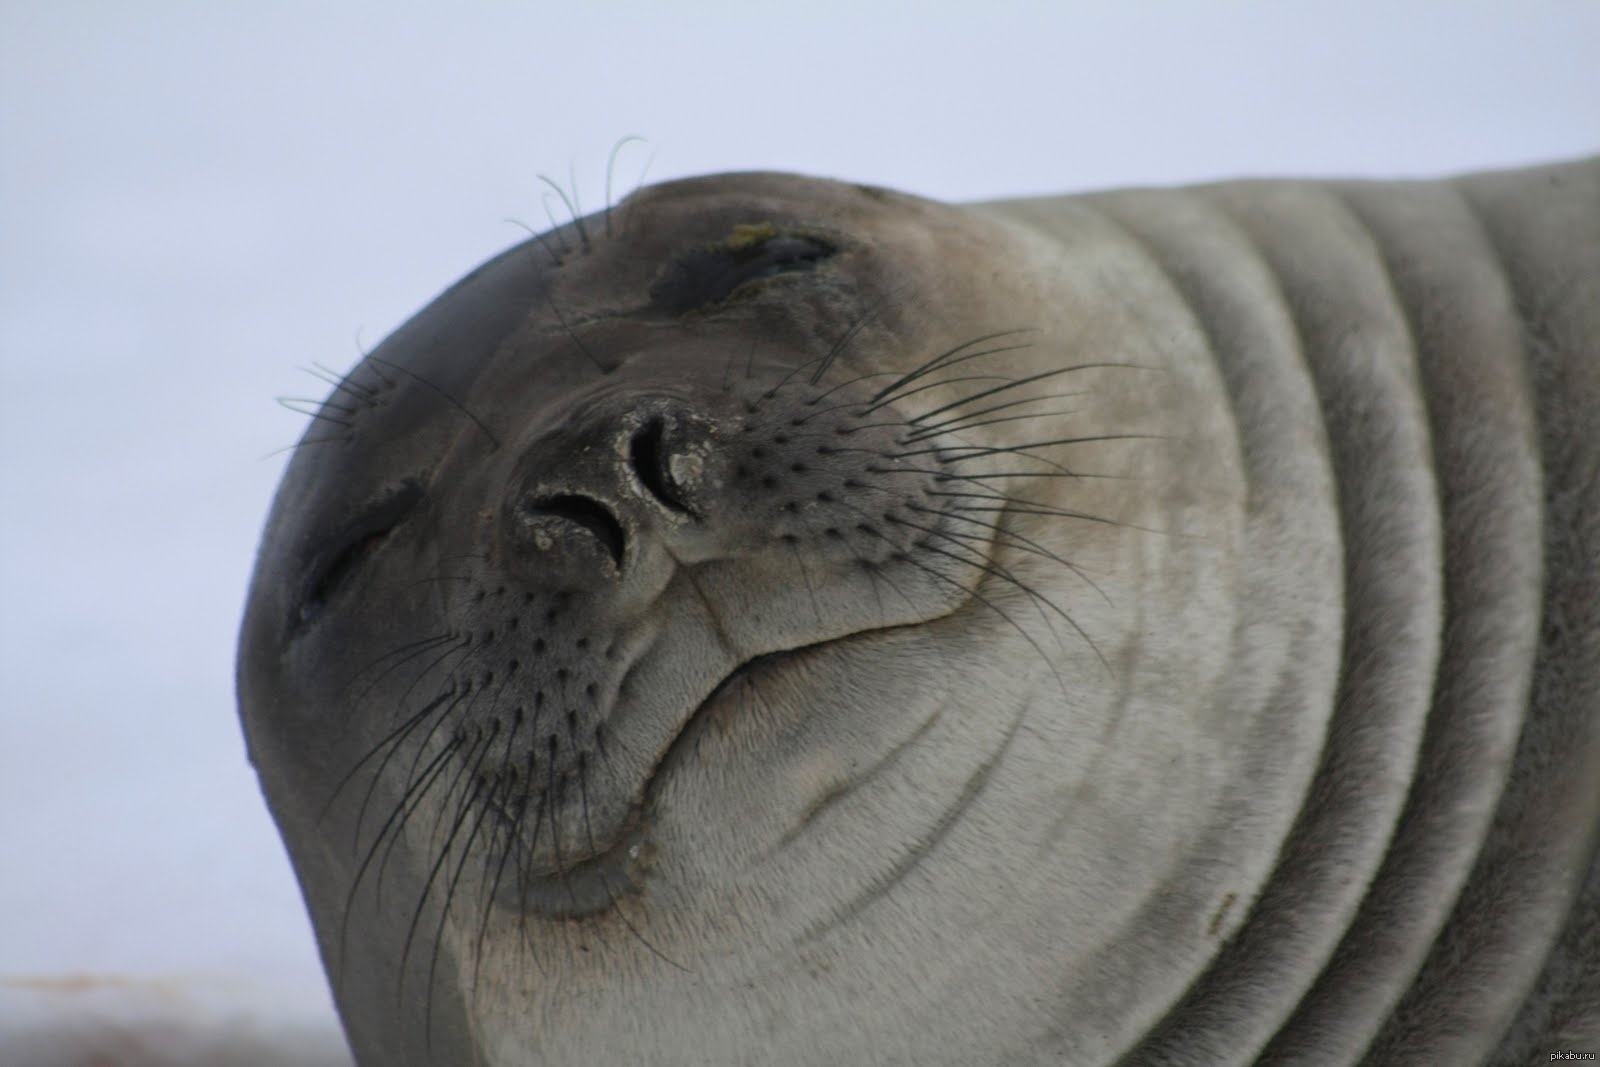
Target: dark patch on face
x=711 y=274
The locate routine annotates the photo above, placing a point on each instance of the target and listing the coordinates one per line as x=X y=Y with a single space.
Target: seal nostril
x=587 y=513
x=648 y=454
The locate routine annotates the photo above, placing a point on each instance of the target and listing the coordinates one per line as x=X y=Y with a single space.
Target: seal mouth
x=604 y=876
x=596 y=883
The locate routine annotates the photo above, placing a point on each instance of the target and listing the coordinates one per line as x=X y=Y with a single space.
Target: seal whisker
x=938 y=383
x=782 y=383
x=439 y=710
x=953 y=454
x=540 y=238
x=871 y=567
x=611 y=163
x=502 y=844
x=974 y=594
x=467 y=694
x=457 y=644
x=1015 y=540
x=615 y=903
x=365 y=395
x=1017 y=383
x=855 y=328
x=847 y=383
x=307 y=442
x=318 y=410
x=482 y=811
x=556 y=228
x=554 y=793
x=572 y=335
x=1005 y=575
x=939 y=361
x=400 y=655
x=420 y=908
x=525 y=846
x=805 y=577
x=439 y=578
x=494 y=441
x=1023 y=506
x=978 y=546
x=344 y=414
x=390 y=742
x=465 y=764
x=386 y=381
x=854 y=428
x=1025 y=475
x=1024 y=449
x=349 y=775
x=960 y=420
x=912 y=439
x=571 y=203
x=409 y=799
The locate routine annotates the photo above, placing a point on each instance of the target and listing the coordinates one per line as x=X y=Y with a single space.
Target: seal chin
x=586 y=881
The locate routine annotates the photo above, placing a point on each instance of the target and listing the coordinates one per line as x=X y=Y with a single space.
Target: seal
x=785 y=621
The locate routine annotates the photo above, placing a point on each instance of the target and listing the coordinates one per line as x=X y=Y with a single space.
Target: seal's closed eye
x=708 y=275
x=332 y=569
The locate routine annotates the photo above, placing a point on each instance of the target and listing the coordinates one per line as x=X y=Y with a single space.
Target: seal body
x=792 y=622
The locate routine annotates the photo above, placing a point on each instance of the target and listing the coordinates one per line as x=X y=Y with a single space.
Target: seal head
x=609 y=504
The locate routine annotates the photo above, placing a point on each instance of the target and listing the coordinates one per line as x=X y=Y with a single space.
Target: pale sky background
x=197 y=200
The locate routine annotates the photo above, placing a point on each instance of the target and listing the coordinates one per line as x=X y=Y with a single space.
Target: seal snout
x=587 y=493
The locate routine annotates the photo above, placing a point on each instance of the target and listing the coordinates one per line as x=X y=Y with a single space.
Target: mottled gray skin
x=793 y=622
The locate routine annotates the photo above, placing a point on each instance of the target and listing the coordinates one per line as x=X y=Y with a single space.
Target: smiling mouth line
x=595 y=883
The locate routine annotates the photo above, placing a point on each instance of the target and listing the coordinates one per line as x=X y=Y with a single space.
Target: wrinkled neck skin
x=1237 y=704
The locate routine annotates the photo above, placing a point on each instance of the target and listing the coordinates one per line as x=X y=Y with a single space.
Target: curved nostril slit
x=588 y=513
x=648 y=456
